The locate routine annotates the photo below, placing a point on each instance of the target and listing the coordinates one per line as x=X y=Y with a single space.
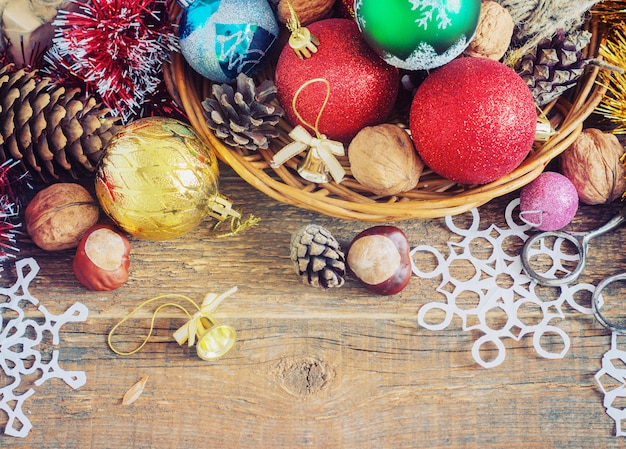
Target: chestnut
x=102 y=258
x=380 y=257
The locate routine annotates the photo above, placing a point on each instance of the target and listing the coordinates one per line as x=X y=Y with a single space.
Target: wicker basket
x=433 y=197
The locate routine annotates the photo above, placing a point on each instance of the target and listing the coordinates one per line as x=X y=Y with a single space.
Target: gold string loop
x=214 y=339
x=321 y=156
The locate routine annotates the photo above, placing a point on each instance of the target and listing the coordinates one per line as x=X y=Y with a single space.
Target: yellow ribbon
x=327 y=149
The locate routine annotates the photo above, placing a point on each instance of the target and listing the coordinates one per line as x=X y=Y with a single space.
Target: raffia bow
x=326 y=149
x=189 y=331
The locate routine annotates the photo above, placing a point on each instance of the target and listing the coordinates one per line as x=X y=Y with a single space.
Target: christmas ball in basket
x=223 y=38
x=549 y=202
x=342 y=88
x=435 y=195
x=157 y=179
x=473 y=120
x=417 y=34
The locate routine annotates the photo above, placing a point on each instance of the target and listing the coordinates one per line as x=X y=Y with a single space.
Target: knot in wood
x=304 y=376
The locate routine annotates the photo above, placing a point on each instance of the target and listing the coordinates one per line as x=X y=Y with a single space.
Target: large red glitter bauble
x=473 y=120
x=360 y=87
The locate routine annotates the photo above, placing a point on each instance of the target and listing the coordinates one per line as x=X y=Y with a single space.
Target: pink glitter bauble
x=473 y=120
x=360 y=87
x=549 y=202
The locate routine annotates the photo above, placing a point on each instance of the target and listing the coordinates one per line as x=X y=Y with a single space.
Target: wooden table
x=326 y=369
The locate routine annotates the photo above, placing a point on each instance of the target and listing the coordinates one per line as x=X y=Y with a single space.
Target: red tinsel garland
x=116 y=47
x=9 y=209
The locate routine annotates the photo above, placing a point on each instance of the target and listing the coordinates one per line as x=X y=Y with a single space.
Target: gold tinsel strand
x=613 y=51
x=613 y=105
x=610 y=12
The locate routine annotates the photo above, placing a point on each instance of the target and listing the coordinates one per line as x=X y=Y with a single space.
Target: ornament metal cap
x=303 y=43
x=544 y=130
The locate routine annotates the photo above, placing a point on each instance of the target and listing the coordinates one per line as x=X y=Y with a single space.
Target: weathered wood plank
x=335 y=369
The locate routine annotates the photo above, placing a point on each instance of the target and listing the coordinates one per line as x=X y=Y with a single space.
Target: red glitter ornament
x=354 y=88
x=473 y=120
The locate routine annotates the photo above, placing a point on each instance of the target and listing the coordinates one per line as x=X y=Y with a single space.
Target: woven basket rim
x=347 y=202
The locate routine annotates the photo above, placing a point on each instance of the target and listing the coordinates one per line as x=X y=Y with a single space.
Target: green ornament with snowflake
x=417 y=34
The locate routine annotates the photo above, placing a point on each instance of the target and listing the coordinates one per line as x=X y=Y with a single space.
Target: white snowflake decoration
x=614 y=371
x=493 y=297
x=19 y=338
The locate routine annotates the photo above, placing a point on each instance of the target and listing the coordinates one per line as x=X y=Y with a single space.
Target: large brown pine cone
x=56 y=133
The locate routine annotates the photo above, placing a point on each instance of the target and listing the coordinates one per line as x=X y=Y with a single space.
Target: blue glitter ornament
x=222 y=38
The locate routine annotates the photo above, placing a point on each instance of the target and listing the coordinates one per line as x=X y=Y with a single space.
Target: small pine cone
x=554 y=66
x=245 y=118
x=317 y=255
x=53 y=131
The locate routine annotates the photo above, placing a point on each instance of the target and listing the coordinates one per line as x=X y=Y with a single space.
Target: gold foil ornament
x=158 y=179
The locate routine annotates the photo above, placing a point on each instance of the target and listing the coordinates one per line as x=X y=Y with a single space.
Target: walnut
x=493 y=32
x=593 y=165
x=308 y=11
x=58 y=216
x=383 y=159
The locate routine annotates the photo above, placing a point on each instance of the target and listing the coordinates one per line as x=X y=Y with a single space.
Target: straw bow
x=187 y=332
x=325 y=148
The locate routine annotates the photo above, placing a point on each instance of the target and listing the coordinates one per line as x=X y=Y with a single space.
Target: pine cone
x=317 y=255
x=244 y=118
x=554 y=66
x=53 y=131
